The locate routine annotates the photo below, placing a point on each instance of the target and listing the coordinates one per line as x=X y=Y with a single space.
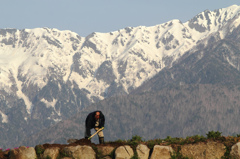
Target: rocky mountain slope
x=49 y=75
x=178 y=111
x=218 y=62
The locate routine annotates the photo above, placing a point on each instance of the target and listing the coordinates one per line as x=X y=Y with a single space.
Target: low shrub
x=214 y=134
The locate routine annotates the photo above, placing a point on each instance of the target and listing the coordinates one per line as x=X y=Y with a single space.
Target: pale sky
x=87 y=16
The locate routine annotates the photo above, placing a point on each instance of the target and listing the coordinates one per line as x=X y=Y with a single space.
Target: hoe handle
x=96 y=133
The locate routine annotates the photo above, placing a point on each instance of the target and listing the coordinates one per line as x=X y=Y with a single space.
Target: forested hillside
x=174 y=111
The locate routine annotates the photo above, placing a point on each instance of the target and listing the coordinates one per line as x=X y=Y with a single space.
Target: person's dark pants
x=100 y=134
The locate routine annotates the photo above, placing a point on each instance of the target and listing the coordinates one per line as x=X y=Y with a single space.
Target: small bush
x=198 y=138
x=214 y=134
x=39 y=150
x=193 y=139
x=136 y=138
x=171 y=140
x=152 y=143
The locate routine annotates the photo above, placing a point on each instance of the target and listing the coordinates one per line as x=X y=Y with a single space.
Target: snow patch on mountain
x=4 y=117
x=20 y=94
x=49 y=104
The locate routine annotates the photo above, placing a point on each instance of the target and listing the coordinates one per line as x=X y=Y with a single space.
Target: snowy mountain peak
x=34 y=51
x=213 y=20
x=58 y=70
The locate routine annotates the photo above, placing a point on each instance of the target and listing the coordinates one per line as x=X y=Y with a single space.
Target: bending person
x=95 y=120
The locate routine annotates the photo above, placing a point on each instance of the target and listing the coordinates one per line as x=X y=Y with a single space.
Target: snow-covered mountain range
x=47 y=75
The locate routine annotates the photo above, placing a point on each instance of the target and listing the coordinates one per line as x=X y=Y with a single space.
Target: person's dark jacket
x=90 y=120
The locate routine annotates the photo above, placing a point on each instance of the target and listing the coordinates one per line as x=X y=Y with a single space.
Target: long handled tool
x=96 y=133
